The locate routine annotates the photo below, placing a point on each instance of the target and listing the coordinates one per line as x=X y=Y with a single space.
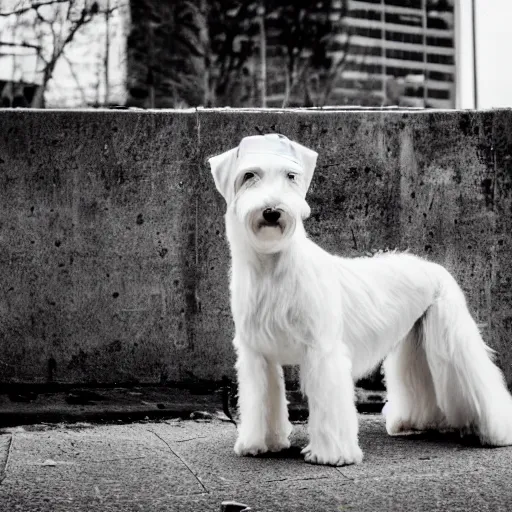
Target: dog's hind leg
x=411 y=395
x=469 y=387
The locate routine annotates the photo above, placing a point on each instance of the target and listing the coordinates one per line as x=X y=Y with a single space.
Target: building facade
x=394 y=52
x=400 y=52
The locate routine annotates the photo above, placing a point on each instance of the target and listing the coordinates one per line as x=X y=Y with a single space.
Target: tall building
x=400 y=52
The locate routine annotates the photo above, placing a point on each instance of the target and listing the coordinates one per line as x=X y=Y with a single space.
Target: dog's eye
x=248 y=176
x=291 y=176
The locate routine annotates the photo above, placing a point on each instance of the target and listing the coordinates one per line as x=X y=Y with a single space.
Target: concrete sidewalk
x=177 y=465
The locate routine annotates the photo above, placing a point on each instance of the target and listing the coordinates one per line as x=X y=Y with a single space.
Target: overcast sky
x=494 y=49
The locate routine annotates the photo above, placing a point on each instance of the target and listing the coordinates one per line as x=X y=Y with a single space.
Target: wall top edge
x=199 y=110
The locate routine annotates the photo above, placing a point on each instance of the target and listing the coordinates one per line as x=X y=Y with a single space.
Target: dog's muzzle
x=271 y=218
x=269 y=227
x=275 y=219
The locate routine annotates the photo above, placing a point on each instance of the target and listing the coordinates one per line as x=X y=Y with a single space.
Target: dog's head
x=264 y=182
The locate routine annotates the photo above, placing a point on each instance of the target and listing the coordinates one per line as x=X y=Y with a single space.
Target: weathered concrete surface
x=114 y=263
x=184 y=466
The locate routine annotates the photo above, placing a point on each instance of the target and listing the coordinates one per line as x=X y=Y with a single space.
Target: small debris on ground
x=234 y=506
x=201 y=416
x=220 y=415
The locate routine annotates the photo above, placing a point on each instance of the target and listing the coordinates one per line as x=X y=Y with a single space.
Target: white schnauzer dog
x=338 y=318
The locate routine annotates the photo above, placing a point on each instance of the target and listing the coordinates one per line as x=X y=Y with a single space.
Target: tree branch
x=24 y=45
x=32 y=6
x=59 y=45
x=79 y=23
x=75 y=78
x=337 y=69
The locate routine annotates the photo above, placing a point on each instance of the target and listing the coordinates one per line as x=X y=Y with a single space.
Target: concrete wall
x=113 y=258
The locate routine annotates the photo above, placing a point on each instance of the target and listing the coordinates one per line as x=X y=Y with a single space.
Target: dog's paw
x=349 y=454
x=497 y=430
x=277 y=441
x=245 y=446
x=276 y=444
x=497 y=438
x=397 y=426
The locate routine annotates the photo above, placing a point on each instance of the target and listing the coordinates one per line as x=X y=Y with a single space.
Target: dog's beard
x=266 y=237
x=269 y=237
x=263 y=236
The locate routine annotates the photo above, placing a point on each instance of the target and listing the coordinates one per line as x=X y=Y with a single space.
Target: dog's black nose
x=271 y=216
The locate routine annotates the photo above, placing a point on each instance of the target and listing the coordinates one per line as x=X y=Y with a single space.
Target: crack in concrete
x=181 y=460
x=186 y=495
x=190 y=439
x=298 y=479
x=117 y=459
x=345 y=476
x=4 y=461
x=198 y=124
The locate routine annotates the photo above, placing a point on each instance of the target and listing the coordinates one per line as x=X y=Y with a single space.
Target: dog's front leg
x=262 y=404
x=327 y=381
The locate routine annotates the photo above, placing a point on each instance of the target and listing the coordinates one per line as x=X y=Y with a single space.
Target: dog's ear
x=222 y=167
x=308 y=158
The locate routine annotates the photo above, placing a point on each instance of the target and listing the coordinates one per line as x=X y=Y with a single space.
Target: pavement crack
x=298 y=479
x=183 y=461
x=343 y=475
x=117 y=459
x=189 y=439
x=310 y=478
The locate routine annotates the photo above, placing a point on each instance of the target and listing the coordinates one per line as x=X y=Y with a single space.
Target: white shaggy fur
x=338 y=318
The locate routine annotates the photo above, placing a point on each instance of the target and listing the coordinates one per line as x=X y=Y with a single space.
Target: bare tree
x=233 y=28
x=106 y=60
x=309 y=44
x=76 y=78
x=51 y=26
x=307 y=31
x=167 y=53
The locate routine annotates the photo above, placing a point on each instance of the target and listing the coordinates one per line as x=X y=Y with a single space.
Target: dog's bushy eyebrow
x=297 y=171
x=249 y=169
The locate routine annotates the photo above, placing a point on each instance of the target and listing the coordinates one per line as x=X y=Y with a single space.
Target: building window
x=440 y=41
x=439 y=94
x=410 y=20
x=368 y=32
x=364 y=68
x=440 y=59
x=404 y=55
x=365 y=50
x=404 y=37
x=402 y=72
x=364 y=14
x=438 y=23
x=414 y=92
x=438 y=75
x=413 y=4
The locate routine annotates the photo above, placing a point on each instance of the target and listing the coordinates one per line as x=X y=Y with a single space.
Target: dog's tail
x=470 y=389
